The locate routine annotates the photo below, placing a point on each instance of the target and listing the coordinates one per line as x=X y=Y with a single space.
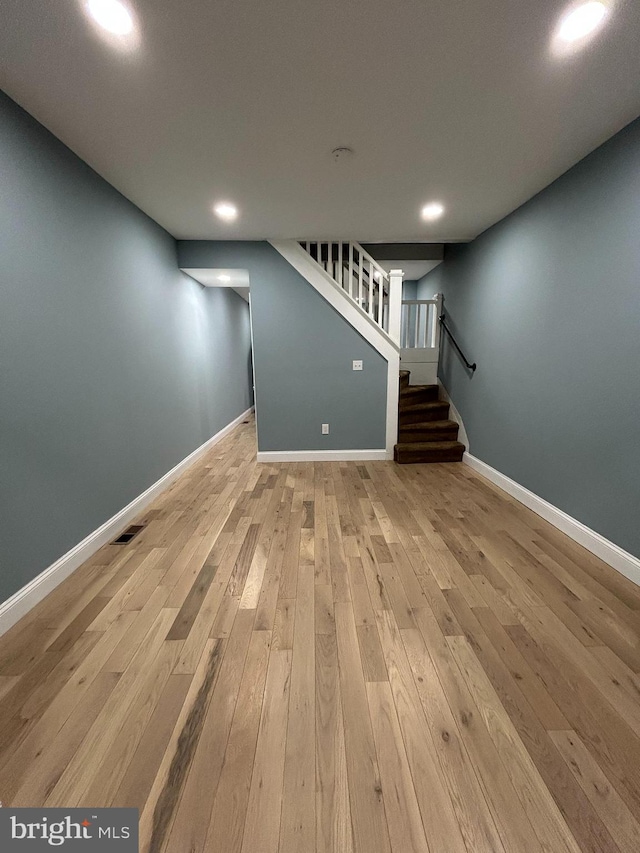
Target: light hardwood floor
x=359 y=658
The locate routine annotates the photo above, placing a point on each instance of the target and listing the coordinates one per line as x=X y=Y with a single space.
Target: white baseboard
x=25 y=599
x=323 y=455
x=621 y=560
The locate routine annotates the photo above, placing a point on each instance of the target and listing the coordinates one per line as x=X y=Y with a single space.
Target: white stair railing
x=419 y=326
x=361 y=278
x=420 y=338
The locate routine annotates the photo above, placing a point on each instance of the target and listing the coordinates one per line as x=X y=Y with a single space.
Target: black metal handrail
x=472 y=367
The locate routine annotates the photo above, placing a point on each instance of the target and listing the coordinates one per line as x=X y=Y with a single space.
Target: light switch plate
x=357 y=364
x=325 y=429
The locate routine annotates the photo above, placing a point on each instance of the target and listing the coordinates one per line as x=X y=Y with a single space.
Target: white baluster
x=408 y=326
x=351 y=270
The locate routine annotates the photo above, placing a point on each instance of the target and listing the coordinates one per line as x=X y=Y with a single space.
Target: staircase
x=425 y=433
x=365 y=295
x=360 y=278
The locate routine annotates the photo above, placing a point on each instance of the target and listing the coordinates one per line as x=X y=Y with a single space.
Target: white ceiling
x=211 y=277
x=461 y=102
x=413 y=270
x=238 y=279
x=243 y=292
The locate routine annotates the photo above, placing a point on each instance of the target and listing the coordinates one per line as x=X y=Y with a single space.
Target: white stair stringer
x=330 y=290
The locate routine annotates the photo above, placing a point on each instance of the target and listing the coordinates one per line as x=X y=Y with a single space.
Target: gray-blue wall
x=548 y=304
x=410 y=289
x=114 y=365
x=303 y=351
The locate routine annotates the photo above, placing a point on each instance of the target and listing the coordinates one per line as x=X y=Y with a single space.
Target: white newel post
x=436 y=336
x=395 y=304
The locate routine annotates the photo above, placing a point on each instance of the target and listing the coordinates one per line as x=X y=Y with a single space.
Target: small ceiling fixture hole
x=342 y=153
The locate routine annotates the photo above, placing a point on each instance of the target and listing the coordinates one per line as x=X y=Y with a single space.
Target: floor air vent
x=128 y=534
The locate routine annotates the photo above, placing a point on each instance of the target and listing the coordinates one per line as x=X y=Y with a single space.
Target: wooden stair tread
x=414 y=389
x=429 y=404
x=426 y=426
x=417 y=446
x=429 y=452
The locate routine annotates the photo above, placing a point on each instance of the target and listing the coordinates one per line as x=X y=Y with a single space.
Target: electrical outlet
x=325 y=429
x=357 y=364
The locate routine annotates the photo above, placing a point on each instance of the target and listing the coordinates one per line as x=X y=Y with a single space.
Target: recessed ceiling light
x=433 y=210
x=112 y=15
x=580 y=21
x=224 y=278
x=226 y=211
